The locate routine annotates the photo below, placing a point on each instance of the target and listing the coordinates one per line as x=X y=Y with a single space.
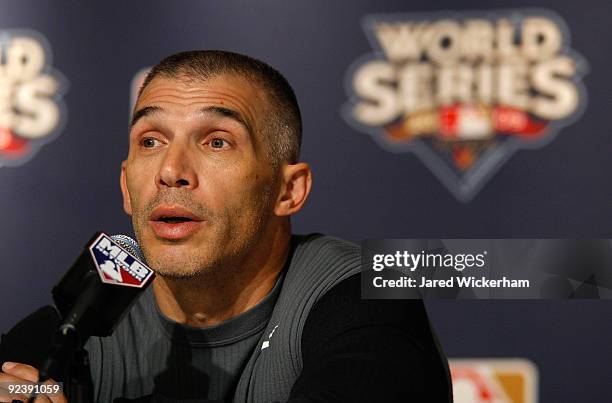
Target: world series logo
x=31 y=106
x=465 y=90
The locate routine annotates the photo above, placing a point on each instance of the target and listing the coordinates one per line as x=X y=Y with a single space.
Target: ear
x=127 y=205
x=296 y=181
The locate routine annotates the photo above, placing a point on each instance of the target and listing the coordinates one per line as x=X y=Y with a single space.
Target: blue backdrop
x=52 y=203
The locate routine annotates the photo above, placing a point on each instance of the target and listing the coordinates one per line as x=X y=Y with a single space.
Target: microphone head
x=102 y=284
x=129 y=244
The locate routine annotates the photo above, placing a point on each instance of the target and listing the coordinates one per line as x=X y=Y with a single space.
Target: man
x=241 y=309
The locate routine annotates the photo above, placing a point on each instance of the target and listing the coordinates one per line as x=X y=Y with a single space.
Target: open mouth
x=174 y=220
x=173 y=215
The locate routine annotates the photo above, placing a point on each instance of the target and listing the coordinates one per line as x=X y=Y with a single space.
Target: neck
x=225 y=292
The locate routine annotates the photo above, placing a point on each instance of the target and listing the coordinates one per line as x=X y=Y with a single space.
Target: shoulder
x=316 y=263
x=317 y=257
x=321 y=246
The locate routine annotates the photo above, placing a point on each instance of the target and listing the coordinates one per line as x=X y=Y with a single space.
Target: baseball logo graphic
x=464 y=91
x=117 y=266
x=32 y=112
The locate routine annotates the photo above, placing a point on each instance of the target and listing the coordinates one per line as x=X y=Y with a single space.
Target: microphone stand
x=68 y=350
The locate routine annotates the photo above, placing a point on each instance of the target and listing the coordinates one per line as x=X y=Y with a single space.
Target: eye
x=218 y=143
x=149 y=142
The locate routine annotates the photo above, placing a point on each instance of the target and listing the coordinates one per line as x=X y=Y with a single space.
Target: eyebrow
x=215 y=110
x=146 y=111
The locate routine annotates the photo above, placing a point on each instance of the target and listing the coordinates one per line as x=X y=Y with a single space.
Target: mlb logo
x=512 y=380
x=117 y=266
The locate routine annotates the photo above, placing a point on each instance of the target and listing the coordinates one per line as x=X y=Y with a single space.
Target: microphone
x=95 y=294
x=101 y=285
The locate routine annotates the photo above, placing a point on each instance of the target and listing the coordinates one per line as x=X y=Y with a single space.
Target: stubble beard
x=214 y=260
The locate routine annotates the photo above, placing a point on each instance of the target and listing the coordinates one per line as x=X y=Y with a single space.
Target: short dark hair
x=284 y=125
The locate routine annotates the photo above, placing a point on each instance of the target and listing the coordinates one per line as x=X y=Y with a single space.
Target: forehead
x=184 y=95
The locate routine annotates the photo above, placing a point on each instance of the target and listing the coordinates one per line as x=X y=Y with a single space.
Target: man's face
x=197 y=181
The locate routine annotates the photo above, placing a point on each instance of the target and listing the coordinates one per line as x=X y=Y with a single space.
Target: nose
x=177 y=168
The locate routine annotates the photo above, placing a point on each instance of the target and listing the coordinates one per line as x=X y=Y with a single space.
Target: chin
x=177 y=275
x=178 y=265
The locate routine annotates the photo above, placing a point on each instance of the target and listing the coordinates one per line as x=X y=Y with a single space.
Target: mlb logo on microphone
x=116 y=266
x=483 y=380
